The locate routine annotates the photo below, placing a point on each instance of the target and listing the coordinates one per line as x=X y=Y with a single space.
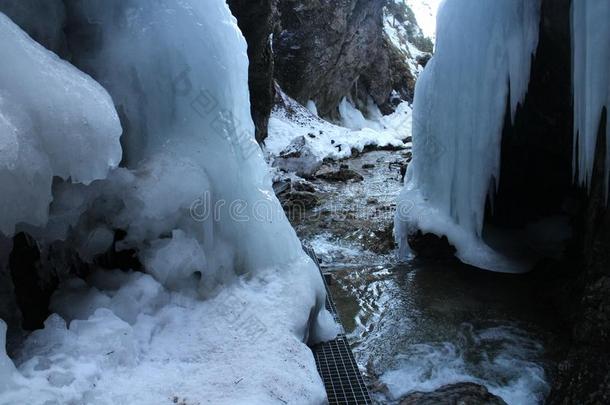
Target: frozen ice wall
x=483 y=50
x=228 y=299
x=591 y=80
x=54 y=120
x=181 y=86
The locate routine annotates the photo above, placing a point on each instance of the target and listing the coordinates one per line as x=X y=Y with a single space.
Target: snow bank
x=591 y=81
x=229 y=300
x=290 y=121
x=55 y=121
x=132 y=342
x=460 y=103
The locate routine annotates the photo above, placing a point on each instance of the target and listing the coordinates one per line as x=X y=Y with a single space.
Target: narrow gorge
x=199 y=197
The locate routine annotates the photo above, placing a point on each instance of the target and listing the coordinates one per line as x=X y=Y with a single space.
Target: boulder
x=298 y=157
x=342 y=174
x=301 y=200
x=454 y=394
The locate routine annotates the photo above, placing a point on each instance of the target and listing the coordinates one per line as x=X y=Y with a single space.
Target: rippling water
x=418 y=326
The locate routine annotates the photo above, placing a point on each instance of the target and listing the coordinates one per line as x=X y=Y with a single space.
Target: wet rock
x=381 y=241
x=281 y=186
x=257 y=20
x=342 y=174
x=431 y=247
x=402 y=168
x=298 y=157
x=454 y=394
x=303 y=185
x=423 y=60
x=299 y=200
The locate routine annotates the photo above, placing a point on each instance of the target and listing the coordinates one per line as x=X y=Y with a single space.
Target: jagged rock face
x=324 y=50
x=536 y=181
x=584 y=376
x=257 y=19
x=389 y=71
x=536 y=163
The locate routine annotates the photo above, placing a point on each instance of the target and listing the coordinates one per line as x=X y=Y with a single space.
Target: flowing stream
x=419 y=325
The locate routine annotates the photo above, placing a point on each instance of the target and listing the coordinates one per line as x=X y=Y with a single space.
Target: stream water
x=419 y=325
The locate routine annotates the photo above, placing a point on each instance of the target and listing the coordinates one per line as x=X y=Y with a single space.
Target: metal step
x=335 y=361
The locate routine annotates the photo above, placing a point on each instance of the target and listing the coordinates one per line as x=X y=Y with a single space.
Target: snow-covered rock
x=300 y=140
x=298 y=157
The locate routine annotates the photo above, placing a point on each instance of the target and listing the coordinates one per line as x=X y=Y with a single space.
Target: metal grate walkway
x=335 y=361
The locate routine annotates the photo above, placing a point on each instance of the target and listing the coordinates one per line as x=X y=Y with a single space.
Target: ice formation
x=55 y=121
x=228 y=299
x=483 y=50
x=591 y=81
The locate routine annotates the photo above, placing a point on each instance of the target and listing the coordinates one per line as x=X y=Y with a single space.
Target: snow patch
x=322 y=139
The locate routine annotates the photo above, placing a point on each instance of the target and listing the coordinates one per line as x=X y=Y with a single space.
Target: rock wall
x=584 y=376
x=322 y=48
x=327 y=50
x=257 y=20
x=536 y=181
x=536 y=161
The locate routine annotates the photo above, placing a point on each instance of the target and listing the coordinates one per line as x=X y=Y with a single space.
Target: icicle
x=460 y=104
x=591 y=81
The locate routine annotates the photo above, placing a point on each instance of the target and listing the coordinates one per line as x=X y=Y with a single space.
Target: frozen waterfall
x=591 y=81
x=483 y=55
x=228 y=300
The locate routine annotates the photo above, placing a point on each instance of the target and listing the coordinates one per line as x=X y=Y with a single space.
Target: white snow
x=425 y=12
x=138 y=343
x=460 y=103
x=323 y=139
x=54 y=121
x=398 y=33
x=591 y=81
x=229 y=299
